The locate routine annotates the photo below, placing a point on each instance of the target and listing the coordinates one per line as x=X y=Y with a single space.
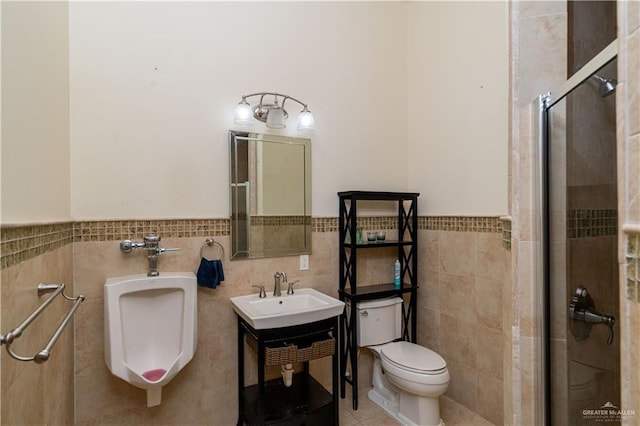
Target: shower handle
x=581 y=308
x=591 y=317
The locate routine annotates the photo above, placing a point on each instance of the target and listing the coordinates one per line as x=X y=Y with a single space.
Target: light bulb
x=305 y=120
x=244 y=114
x=275 y=118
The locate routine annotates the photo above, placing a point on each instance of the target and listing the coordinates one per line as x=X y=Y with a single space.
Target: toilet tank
x=379 y=321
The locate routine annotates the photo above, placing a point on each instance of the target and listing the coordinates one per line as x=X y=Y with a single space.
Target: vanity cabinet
x=305 y=402
x=351 y=293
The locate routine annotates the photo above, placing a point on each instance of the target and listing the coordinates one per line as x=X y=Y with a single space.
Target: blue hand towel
x=210 y=273
x=219 y=270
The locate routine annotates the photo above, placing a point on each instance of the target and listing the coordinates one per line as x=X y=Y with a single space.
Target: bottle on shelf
x=396 y=274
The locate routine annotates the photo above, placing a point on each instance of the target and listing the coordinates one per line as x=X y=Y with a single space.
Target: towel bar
x=43 y=355
x=210 y=242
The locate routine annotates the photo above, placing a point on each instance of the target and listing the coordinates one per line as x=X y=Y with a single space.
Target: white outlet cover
x=304 y=262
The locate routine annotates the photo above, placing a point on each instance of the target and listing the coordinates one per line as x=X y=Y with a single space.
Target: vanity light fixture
x=272 y=114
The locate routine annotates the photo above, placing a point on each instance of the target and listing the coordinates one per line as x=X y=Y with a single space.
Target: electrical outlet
x=304 y=262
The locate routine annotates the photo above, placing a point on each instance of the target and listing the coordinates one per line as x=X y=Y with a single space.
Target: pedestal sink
x=305 y=306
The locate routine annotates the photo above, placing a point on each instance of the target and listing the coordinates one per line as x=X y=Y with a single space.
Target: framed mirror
x=270 y=195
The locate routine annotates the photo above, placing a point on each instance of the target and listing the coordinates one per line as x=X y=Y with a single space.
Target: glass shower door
x=584 y=366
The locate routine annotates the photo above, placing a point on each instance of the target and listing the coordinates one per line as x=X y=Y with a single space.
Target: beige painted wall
x=154 y=86
x=154 y=109
x=35 y=188
x=457 y=77
x=35 y=112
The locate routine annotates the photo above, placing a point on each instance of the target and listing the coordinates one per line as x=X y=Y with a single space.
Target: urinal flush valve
x=150 y=243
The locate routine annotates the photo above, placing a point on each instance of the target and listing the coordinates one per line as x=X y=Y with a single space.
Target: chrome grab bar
x=43 y=355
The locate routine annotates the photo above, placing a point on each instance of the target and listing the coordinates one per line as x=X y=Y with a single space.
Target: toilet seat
x=430 y=379
x=413 y=358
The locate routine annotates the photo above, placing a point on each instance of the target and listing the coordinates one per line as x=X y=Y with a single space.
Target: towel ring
x=209 y=242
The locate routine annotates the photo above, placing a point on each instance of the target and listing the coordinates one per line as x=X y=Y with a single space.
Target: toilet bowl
x=150 y=328
x=408 y=379
x=415 y=368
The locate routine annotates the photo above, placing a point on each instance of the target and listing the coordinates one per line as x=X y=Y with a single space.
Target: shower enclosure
x=578 y=212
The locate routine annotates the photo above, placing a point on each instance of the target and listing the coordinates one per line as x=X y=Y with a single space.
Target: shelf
x=379 y=195
x=306 y=402
x=406 y=248
x=297 y=350
x=284 y=405
x=378 y=291
x=386 y=243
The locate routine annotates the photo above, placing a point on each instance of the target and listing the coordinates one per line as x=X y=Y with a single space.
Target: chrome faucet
x=290 y=289
x=279 y=277
x=263 y=293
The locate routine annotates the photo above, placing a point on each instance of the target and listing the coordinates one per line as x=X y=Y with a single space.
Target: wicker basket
x=288 y=354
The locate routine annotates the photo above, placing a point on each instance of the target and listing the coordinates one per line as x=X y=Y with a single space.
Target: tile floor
x=369 y=414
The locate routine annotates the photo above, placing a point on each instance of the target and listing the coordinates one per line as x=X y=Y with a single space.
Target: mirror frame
x=289 y=233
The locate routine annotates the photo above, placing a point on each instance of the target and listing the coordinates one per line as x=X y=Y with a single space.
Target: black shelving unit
x=350 y=292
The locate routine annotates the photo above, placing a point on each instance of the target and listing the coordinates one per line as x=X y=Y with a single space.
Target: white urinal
x=150 y=328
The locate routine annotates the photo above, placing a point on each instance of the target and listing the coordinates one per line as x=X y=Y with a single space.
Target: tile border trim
x=506 y=232
x=114 y=230
x=461 y=223
x=583 y=223
x=23 y=242
x=632 y=269
x=632 y=258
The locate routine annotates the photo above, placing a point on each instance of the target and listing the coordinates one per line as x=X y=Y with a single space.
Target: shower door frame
x=541 y=225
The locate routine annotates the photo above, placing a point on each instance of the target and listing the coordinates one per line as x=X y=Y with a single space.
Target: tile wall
x=455 y=253
x=633 y=268
x=538 y=40
x=538 y=37
x=20 y=243
x=461 y=313
x=628 y=134
x=36 y=393
x=589 y=168
x=583 y=223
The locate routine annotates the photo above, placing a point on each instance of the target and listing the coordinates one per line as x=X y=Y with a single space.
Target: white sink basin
x=304 y=306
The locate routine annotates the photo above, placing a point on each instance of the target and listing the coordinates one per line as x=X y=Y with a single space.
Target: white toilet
x=408 y=379
x=150 y=328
